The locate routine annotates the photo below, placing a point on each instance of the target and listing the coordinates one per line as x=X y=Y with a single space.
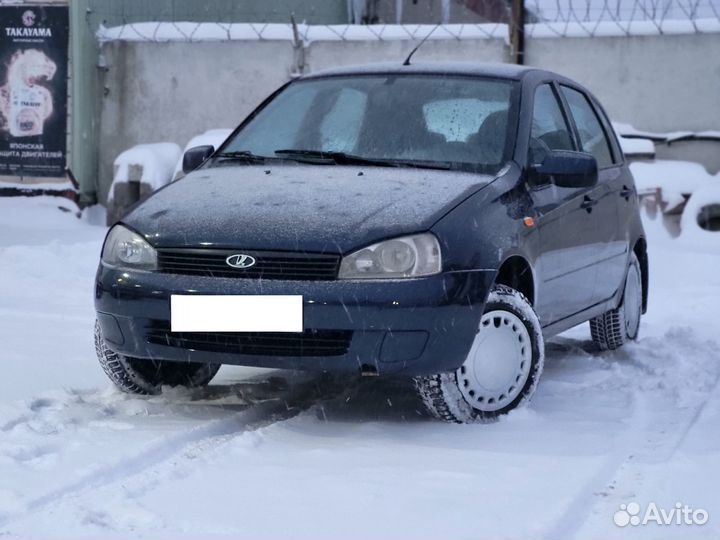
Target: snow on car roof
x=508 y=71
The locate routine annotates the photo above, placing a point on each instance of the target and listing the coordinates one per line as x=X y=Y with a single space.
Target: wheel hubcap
x=498 y=365
x=632 y=302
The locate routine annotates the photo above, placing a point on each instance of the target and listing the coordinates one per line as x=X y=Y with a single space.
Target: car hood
x=299 y=207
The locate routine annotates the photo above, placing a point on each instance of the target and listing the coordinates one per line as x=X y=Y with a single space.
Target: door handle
x=626 y=193
x=588 y=203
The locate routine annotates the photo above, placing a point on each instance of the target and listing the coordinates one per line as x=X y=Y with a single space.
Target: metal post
x=517 y=32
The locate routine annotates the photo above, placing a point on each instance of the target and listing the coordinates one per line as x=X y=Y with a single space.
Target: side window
x=340 y=128
x=592 y=134
x=549 y=128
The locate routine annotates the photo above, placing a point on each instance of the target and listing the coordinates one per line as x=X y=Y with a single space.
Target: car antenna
x=407 y=60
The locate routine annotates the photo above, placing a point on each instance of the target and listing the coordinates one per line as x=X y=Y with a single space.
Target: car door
x=564 y=265
x=608 y=248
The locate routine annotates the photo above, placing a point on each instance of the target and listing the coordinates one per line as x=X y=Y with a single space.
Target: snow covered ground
x=275 y=455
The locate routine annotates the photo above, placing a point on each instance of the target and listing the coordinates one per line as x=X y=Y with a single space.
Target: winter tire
x=147 y=377
x=616 y=327
x=501 y=370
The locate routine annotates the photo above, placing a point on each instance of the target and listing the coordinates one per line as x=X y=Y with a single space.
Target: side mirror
x=195 y=157
x=566 y=168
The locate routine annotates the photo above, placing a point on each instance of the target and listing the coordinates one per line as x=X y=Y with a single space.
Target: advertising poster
x=33 y=90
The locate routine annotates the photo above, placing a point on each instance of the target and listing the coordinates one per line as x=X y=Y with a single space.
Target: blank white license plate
x=197 y=313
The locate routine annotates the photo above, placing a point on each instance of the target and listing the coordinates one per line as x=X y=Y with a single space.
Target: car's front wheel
x=501 y=370
x=139 y=376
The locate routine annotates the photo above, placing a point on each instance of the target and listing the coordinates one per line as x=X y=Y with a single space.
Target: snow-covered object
x=691 y=231
x=637 y=147
x=629 y=131
x=212 y=137
x=157 y=161
x=683 y=177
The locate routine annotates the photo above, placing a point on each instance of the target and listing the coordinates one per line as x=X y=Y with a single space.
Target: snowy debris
x=154 y=165
x=212 y=137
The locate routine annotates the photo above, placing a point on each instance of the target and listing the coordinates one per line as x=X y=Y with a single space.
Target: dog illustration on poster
x=25 y=103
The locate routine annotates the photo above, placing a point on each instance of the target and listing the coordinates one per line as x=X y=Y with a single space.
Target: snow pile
x=157 y=162
x=213 y=137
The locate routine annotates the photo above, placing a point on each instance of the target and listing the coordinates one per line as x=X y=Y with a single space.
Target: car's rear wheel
x=616 y=327
x=140 y=376
x=501 y=370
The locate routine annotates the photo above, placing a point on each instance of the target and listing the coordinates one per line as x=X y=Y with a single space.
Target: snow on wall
x=199 y=32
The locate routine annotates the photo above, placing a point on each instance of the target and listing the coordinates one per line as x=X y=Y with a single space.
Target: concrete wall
x=156 y=92
x=657 y=83
x=171 y=91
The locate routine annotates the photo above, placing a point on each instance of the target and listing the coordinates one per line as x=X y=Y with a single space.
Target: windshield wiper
x=242 y=155
x=341 y=158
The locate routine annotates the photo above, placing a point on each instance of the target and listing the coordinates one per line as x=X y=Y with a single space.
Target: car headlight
x=406 y=257
x=126 y=249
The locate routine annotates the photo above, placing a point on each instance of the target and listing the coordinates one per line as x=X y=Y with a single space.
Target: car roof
x=504 y=71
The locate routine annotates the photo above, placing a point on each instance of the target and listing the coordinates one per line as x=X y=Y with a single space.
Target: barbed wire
x=544 y=18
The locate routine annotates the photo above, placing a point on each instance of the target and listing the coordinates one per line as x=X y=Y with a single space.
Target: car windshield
x=446 y=122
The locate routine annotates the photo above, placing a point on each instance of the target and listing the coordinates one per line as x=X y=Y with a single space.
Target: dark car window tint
x=459 y=121
x=592 y=135
x=549 y=128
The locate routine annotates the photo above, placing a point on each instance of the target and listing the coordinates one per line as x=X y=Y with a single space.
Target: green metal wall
x=87 y=15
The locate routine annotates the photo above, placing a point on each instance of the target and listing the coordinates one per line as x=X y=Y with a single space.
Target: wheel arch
x=517 y=273
x=640 y=251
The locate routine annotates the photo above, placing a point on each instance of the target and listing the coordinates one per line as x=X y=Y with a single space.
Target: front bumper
x=414 y=326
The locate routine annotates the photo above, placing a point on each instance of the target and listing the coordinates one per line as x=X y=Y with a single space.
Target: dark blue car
x=434 y=221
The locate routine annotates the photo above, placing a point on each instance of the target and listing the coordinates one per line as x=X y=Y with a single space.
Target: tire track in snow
x=577 y=512
x=634 y=441
x=208 y=436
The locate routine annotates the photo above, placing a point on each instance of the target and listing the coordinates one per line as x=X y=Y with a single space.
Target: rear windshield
x=461 y=122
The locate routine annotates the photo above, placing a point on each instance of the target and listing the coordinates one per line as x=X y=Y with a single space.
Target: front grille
x=307 y=343
x=269 y=265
